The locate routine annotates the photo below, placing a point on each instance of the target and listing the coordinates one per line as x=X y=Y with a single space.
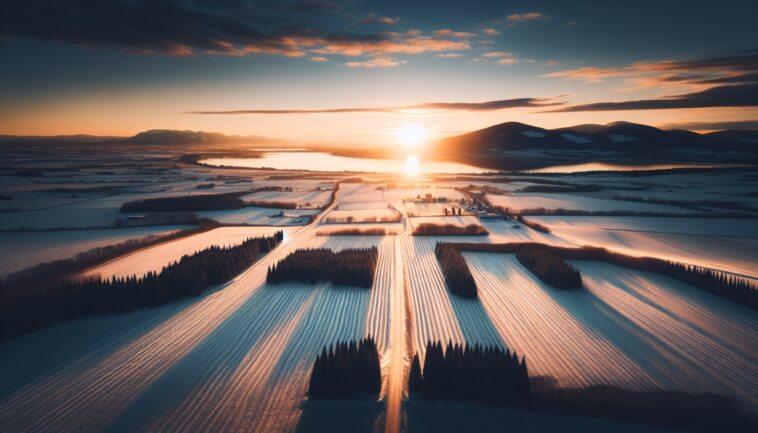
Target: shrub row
x=376 y=231
x=532 y=224
x=431 y=229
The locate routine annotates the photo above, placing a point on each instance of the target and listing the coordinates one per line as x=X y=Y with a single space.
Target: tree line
x=431 y=229
x=276 y=204
x=349 y=267
x=26 y=310
x=455 y=270
x=561 y=189
x=549 y=267
x=204 y=202
x=346 y=369
x=735 y=289
x=580 y=212
x=698 y=205
x=38 y=274
x=488 y=374
x=374 y=231
x=532 y=224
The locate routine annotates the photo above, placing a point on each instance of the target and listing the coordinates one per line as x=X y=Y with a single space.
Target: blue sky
x=252 y=67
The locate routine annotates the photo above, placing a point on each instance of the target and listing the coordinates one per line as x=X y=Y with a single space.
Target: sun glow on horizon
x=412 y=166
x=412 y=135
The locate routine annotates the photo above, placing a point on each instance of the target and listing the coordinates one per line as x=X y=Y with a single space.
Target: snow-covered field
x=260 y=216
x=238 y=358
x=519 y=201
x=363 y=215
x=632 y=329
x=729 y=245
x=361 y=206
x=155 y=258
x=21 y=250
x=308 y=199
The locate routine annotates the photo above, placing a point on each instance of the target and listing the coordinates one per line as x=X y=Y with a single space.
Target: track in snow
x=631 y=329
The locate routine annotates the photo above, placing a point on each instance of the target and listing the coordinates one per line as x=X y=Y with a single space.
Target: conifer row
x=488 y=374
x=455 y=270
x=345 y=369
x=349 y=267
x=549 y=267
x=22 y=311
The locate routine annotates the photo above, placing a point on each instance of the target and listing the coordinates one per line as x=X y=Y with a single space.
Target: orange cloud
x=448 y=32
x=380 y=62
x=319 y=59
x=415 y=45
x=514 y=19
x=497 y=54
x=491 y=32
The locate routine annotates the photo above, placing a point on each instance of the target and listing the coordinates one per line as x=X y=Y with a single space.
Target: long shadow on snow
x=654 y=356
x=341 y=416
x=219 y=354
x=476 y=325
x=337 y=314
x=77 y=345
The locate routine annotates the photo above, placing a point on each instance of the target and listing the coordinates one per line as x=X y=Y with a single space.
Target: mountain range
x=509 y=145
x=153 y=137
x=516 y=145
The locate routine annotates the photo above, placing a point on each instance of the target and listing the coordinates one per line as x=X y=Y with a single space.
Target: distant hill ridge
x=151 y=137
x=613 y=136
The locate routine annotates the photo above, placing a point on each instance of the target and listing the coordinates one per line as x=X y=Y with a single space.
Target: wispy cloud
x=491 y=32
x=236 y=28
x=451 y=33
x=514 y=19
x=501 y=104
x=728 y=81
x=721 y=96
x=497 y=54
x=713 y=126
x=318 y=59
x=379 y=62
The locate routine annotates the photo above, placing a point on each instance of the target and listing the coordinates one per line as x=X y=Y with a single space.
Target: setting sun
x=412 y=134
x=361 y=216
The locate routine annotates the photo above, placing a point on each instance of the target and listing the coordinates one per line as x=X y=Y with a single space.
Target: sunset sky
x=356 y=71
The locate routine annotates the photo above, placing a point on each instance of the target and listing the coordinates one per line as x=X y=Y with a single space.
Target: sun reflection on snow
x=411 y=166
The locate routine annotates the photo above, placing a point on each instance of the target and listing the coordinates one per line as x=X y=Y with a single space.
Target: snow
x=301 y=198
x=21 y=250
x=155 y=258
x=236 y=359
x=729 y=245
x=462 y=220
x=533 y=134
x=577 y=139
x=259 y=216
x=519 y=201
x=626 y=328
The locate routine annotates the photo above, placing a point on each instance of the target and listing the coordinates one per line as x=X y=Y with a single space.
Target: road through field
x=128 y=372
x=396 y=375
